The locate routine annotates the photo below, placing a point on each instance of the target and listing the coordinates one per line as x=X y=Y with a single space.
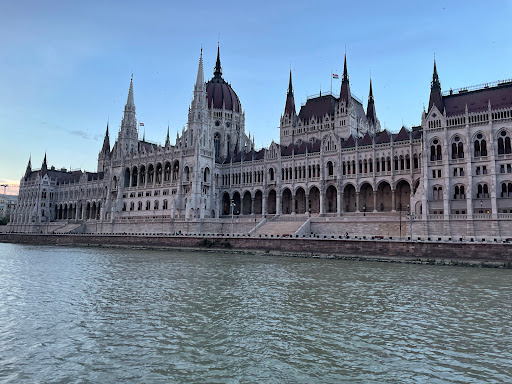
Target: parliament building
x=333 y=172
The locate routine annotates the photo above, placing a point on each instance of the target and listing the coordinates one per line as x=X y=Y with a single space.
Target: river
x=98 y=315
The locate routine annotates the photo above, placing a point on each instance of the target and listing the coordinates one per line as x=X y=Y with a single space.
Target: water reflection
x=105 y=315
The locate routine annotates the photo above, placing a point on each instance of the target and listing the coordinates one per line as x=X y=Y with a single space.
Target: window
x=480 y=146
x=504 y=143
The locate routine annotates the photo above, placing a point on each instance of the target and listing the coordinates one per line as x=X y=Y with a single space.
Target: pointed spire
x=289 y=108
x=29 y=165
x=345 y=84
x=167 y=139
x=371 y=114
x=130 y=100
x=44 y=167
x=200 y=72
x=218 y=69
x=106 y=142
x=435 y=91
x=144 y=135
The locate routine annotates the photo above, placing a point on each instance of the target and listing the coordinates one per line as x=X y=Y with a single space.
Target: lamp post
x=409 y=215
x=232 y=205
x=400 y=217
x=364 y=210
x=481 y=204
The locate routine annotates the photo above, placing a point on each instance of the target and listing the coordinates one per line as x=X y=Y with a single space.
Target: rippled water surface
x=141 y=316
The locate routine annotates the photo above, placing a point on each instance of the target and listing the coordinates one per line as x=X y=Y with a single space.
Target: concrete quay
x=483 y=254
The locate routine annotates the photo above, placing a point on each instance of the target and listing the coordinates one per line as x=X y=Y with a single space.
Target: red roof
x=477 y=101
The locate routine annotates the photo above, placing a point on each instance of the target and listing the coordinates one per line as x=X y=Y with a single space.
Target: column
x=339 y=203
x=358 y=195
x=293 y=205
x=393 y=200
x=374 y=201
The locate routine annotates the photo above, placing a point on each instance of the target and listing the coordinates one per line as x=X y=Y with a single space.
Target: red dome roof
x=220 y=93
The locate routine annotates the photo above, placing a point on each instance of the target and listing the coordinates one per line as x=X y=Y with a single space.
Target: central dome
x=220 y=93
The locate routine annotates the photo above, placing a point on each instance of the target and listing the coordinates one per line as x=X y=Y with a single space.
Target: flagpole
x=331 y=81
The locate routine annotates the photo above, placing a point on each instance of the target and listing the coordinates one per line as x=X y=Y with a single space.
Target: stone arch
x=167 y=171
x=246 y=203
x=158 y=174
x=226 y=201
x=366 y=197
x=127 y=177
x=272 y=202
x=403 y=195
x=384 y=197
x=258 y=202
x=151 y=174
x=331 y=199
x=349 y=198
x=134 y=176
x=206 y=175
x=300 y=200
x=286 y=202
x=314 y=200
x=142 y=175
x=237 y=201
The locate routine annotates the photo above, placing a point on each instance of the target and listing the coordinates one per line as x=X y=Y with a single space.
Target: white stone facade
x=333 y=167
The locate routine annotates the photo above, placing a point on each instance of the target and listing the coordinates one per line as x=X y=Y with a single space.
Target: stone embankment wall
x=492 y=254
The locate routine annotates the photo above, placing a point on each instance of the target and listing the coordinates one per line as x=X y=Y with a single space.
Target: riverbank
x=422 y=252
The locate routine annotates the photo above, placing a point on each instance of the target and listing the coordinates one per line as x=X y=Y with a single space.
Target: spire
x=29 y=168
x=167 y=139
x=130 y=101
x=289 y=108
x=218 y=69
x=435 y=91
x=44 y=167
x=371 y=115
x=345 y=84
x=200 y=72
x=106 y=142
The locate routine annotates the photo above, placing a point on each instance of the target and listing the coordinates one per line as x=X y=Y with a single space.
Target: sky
x=65 y=66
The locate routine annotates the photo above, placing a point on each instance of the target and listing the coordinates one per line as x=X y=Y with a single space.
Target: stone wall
x=413 y=251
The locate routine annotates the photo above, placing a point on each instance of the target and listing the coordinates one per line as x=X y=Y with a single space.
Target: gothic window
x=148 y=205
x=504 y=143
x=480 y=146
x=271 y=173
x=482 y=191
x=216 y=144
x=165 y=204
x=459 y=192
x=155 y=205
x=506 y=189
x=139 y=206
x=435 y=151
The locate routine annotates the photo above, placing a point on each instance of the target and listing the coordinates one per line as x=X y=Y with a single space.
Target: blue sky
x=65 y=66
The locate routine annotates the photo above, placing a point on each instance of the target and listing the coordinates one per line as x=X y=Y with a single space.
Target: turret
x=28 y=171
x=345 y=84
x=167 y=139
x=44 y=167
x=371 y=114
x=435 y=92
x=128 y=134
x=289 y=108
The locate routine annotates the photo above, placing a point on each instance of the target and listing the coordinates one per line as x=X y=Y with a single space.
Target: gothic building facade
x=334 y=171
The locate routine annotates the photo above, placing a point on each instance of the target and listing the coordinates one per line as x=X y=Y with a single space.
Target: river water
x=96 y=315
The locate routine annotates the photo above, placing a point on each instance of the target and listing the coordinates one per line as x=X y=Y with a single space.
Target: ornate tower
x=435 y=92
x=289 y=118
x=104 y=155
x=128 y=134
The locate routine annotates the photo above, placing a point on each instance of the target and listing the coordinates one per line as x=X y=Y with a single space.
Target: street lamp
x=364 y=210
x=409 y=215
x=481 y=204
x=232 y=205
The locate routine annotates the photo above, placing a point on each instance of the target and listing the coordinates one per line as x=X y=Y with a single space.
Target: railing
x=476 y=87
x=504 y=215
x=482 y=216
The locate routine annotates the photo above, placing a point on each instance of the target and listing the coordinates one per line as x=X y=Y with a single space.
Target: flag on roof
x=335 y=76
x=141 y=124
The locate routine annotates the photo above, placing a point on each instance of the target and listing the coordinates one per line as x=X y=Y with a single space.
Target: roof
x=319 y=106
x=477 y=100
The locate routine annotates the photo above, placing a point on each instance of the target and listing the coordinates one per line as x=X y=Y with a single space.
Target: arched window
x=155 y=205
x=457 y=148
x=504 y=143
x=480 y=146
x=271 y=173
x=330 y=168
x=506 y=189
x=216 y=144
x=459 y=192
